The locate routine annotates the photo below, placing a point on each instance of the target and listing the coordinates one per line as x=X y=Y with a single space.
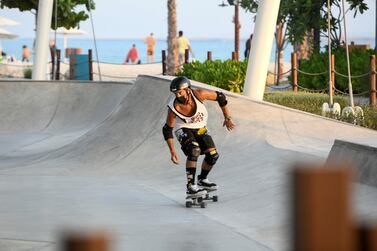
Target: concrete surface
x=92 y=156
x=362 y=156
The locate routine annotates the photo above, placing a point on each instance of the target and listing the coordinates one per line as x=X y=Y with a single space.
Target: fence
x=334 y=73
x=295 y=71
x=11 y=71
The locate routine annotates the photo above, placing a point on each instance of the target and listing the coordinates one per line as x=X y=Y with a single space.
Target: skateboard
x=195 y=201
x=198 y=201
x=213 y=198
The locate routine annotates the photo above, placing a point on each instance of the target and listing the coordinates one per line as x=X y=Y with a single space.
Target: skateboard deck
x=214 y=197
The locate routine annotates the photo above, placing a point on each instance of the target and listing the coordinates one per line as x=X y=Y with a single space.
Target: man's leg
x=190 y=172
x=209 y=161
x=206 y=167
x=192 y=151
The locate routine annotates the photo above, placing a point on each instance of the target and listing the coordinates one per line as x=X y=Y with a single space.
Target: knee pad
x=193 y=151
x=211 y=157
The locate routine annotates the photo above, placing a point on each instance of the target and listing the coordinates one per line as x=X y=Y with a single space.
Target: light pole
x=237 y=26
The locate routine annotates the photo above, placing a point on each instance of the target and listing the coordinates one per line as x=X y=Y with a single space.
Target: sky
x=199 y=19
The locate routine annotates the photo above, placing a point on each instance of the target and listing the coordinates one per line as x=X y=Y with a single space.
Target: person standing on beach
x=150 y=42
x=248 y=46
x=132 y=55
x=187 y=116
x=183 y=45
x=25 y=53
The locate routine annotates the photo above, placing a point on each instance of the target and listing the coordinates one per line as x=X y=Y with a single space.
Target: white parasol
x=4 y=34
x=7 y=22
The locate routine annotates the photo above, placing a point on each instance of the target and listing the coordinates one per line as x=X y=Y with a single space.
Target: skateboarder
x=187 y=116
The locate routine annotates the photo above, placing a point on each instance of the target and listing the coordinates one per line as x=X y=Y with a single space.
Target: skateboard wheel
x=188 y=204
x=215 y=198
x=202 y=204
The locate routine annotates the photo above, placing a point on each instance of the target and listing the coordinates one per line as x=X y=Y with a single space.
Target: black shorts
x=186 y=136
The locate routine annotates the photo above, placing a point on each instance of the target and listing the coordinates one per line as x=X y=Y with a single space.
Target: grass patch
x=312 y=103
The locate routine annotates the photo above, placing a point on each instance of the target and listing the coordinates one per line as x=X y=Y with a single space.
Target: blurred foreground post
x=321 y=209
x=74 y=241
x=367 y=238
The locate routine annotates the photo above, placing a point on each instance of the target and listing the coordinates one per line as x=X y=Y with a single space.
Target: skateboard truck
x=195 y=202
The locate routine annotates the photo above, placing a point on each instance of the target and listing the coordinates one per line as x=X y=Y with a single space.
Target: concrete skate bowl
x=92 y=154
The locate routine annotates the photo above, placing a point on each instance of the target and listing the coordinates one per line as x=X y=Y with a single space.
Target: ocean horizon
x=115 y=50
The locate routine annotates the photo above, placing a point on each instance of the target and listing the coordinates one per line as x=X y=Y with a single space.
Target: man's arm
x=221 y=99
x=167 y=130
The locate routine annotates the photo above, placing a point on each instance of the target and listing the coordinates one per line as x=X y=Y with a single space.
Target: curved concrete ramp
x=361 y=156
x=91 y=155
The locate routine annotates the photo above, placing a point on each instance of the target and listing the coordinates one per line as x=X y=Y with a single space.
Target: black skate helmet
x=179 y=83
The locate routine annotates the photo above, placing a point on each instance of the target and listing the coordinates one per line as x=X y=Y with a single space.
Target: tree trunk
x=316 y=40
x=304 y=50
x=316 y=27
x=172 y=58
x=280 y=44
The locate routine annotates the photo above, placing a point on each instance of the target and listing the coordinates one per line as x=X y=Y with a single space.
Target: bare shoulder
x=205 y=94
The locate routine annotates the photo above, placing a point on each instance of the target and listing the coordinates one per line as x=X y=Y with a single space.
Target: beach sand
x=113 y=72
x=120 y=72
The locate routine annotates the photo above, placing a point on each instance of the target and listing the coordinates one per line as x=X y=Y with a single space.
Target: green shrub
x=318 y=62
x=28 y=73
x=228 y=75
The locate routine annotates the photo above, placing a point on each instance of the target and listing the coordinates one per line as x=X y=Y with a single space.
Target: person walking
x=150 y=42
x=25 y=53
x=248 y=46
x=183 y=45
x=187 y=117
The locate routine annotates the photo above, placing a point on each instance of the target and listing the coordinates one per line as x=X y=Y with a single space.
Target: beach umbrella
x=4 y=34
x=65 y=32
x=7 y=22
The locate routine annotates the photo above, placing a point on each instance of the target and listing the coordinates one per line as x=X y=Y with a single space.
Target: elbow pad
x=167 y=131
x=221 y=99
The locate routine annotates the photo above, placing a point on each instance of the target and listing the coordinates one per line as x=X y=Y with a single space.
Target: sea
x=114 y=51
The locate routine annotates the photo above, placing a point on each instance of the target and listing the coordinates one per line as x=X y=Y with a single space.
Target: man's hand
x=229 y=124
x=174 y=157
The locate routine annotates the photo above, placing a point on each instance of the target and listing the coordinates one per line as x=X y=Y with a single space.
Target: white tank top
x=196 y=121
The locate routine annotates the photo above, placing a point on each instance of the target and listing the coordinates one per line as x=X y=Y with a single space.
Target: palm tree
x=172 y=59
